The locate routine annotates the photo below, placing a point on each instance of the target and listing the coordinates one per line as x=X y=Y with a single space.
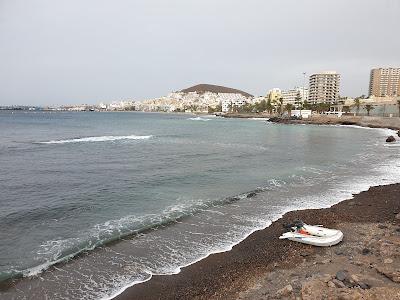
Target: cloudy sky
x=74 y=51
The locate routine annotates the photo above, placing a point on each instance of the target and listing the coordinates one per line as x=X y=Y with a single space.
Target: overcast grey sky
x=87 y=51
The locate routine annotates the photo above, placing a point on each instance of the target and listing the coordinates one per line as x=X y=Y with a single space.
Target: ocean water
x=92 y=203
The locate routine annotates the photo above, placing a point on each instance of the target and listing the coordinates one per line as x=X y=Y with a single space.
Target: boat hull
x=318 y=236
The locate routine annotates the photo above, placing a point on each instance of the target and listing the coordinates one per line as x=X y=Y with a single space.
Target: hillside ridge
x=202 y=88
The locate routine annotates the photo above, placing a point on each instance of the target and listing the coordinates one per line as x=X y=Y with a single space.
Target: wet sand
x=231 y=274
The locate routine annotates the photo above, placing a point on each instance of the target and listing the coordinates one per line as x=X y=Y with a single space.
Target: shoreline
x=362 y=121
x=368 y=122
x=226 y=274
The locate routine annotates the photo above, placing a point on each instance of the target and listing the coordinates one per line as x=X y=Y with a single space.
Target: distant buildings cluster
x=323 y=89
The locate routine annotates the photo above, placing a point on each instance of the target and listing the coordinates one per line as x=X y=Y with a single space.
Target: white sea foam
x=397 y=144
x=199 y=119
x=106 y=138
x=259 y=119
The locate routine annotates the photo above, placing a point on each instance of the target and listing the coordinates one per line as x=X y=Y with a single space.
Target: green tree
x=289 y=107
x=357 y=104
x=280 y=103
x=269 y=106
x=368 y=108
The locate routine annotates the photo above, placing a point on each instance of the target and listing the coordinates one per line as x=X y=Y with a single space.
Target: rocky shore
x=366 y=265
x=373 y=122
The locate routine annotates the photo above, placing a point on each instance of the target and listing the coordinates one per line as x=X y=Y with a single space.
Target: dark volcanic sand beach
x=230 y=274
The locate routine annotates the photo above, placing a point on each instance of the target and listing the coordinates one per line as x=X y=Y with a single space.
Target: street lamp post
x=304 y=84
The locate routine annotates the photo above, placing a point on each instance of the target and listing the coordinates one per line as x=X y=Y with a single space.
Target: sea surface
x=92 y=203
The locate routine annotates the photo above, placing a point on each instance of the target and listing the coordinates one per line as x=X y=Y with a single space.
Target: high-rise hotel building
x=384 y=82
x=324 y=87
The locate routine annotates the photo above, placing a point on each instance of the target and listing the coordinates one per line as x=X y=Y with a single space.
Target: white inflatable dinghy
x=313 y=235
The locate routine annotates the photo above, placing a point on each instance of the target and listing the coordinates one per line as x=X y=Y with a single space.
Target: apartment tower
x=384 y=82
x=324 y=87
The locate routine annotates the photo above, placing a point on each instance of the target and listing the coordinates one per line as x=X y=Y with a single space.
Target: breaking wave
x=199 y=119
x=106 y=138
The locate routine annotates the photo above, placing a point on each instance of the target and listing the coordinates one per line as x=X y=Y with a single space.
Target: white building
x=324 y=87
x=295 y=96
x=229 y=101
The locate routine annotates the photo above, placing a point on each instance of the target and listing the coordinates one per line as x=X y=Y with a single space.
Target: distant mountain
x=202 y=88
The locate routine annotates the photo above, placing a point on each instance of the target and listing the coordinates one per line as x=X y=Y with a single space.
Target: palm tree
x=368 y=108
x=357 y=104
x=280 y=100
x=288 y=108
x=269 y=106
x=230 y=106
x=297 y=101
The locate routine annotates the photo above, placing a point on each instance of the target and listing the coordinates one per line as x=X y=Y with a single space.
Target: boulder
x=390 y=139
x=398 y=133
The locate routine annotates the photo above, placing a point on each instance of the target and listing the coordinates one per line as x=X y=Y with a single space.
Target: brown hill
x=202 y=88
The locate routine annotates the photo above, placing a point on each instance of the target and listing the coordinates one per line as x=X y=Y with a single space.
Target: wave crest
x=106 y=138
x=199 y=119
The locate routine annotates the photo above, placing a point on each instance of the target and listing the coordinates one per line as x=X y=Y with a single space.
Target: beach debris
x=390 y=139
x=312 y=235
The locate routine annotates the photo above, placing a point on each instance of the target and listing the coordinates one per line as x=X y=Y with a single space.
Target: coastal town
x=321 y=95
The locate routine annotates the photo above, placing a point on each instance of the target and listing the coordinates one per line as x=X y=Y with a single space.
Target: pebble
x=338 y=283
x=304 y=254
x=364 y=286
x=285 y=291
x=331 y=284
x=339 y=251
x=342 y=275
x=365 y=251
x=387 y=261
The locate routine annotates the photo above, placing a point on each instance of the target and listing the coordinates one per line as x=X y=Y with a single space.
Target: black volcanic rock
x=390 y=139
x=202 y=88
